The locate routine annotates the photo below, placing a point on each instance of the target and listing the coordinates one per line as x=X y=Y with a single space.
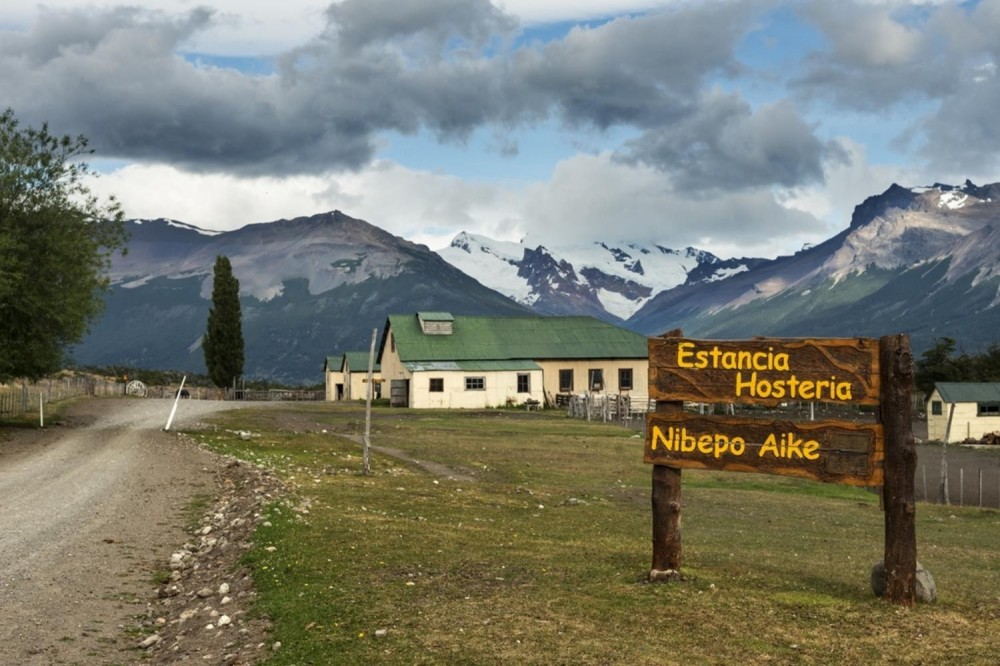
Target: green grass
x=542 y=559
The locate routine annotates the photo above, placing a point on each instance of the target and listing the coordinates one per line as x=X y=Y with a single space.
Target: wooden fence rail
x=24 y=398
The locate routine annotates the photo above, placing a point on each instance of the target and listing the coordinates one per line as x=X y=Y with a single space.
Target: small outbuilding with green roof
x=346 y=376
x=957 y=411
x=436 y=359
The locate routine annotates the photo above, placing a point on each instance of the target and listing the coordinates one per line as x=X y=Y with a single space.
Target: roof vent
x=435 y=323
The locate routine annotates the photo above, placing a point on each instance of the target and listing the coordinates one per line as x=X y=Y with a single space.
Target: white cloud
x=265 y=27
x=597 y=198
x=420 y=206
x=588 y=198
x=846 y=184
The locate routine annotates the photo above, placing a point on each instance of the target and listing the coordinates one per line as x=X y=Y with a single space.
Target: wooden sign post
x=859 y=371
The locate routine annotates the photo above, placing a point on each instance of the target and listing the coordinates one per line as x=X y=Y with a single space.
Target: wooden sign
x=829 y=451
x=765 y=371
x=769 y=372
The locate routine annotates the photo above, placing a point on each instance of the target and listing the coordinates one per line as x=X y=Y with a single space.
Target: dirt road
x=89 y=509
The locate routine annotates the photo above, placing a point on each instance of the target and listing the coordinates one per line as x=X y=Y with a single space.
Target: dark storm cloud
x=727 y=145
x=447 y=66
x=940 y=61
x=372 y=23
x=642 y=71
x=874 y=57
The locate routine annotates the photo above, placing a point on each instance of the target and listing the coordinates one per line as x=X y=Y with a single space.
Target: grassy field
x=533 y=547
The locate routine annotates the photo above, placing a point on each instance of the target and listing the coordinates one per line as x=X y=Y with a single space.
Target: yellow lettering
x=683 y=353
x=810 y=450
x=792 y=447
x=781 y=362
x=806 y=390
x=770 y=446
x=737 y=445
x=749 y=385
x=687 y=442
x=705 y=444
x=659 y=438
x=844 y=391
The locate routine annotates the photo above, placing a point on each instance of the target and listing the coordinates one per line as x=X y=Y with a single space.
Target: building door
x=399 y=393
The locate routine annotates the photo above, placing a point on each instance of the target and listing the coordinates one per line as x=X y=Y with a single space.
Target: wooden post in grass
x=896 y=367
x=666 y=501
x=366 y=453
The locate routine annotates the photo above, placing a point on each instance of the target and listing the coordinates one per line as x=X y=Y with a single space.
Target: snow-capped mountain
x=922 y=260
x=310 y=287
x=607 y=280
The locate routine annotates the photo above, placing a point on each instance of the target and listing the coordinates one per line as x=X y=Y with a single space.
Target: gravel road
x=91 y=508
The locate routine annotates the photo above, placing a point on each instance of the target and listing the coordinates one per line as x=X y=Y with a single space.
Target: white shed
x=957 y=411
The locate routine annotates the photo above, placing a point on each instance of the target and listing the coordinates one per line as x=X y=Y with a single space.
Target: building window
x=625 y=379
x=936 y=407
x=989 y=409
x=595 y=380
x=437 y=385
x=565 y=381
x=523 y=382
x=475 y=383
x=392 y=342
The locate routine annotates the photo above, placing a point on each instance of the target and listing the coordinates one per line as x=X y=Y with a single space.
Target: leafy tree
x=941 y=364
x=56 y=243
x=223 y=341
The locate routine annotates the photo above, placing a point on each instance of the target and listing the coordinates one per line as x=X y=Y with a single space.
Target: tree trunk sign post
x=860 y=371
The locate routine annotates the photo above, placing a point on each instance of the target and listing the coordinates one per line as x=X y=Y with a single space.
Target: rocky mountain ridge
x=310 y=287
x=609 y=280
x=924 y=261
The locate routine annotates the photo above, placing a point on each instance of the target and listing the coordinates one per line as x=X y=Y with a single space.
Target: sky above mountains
x=744 y=127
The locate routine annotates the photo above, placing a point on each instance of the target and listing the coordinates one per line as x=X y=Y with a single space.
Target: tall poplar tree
x=223 y=341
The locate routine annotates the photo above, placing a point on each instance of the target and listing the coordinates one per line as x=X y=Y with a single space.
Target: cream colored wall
x=580 y=368
x=332 y=379
x=936 y=424
x=391 y=367
x=500 y=386
x=359 y=387
x=965 y=422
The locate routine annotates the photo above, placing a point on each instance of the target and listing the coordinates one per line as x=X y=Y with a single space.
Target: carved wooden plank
x=765 y=371
x=828 y=451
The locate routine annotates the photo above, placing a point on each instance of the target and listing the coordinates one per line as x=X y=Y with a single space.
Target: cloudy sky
x=744 y=127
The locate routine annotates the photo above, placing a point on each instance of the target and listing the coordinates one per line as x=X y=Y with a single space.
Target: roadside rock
x=926 y=588
x=206 y=573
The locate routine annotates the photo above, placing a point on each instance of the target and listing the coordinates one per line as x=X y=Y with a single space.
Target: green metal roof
x=513 y=338
x=471 y=366
x=357 y=361
x=969 y=391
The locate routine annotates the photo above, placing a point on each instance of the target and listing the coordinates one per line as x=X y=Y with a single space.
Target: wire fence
x=958 y=475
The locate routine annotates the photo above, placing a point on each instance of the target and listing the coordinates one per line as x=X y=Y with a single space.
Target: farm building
x=435 y=359
x=958 y=411
x=346 y=376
